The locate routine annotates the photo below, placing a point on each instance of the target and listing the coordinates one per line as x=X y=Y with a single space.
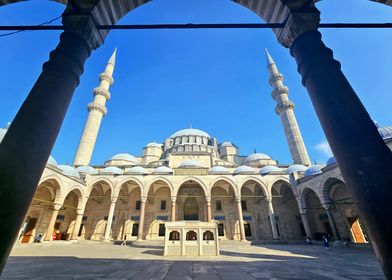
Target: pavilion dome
x=69 y=171
x=331 y=161
x=190 y=164
x=227 y=144
x=257 y=156
x=243 y=169
x=51 y=161
x=163 y=170
x=218 y=170
x=112 y=170
x=268 y=169
x=295 y=168
x=385 y=132
x=153 y=144
x=87 y=170
x=313 y=170
x=124 y=157
x=190 y=132
x=136 y=170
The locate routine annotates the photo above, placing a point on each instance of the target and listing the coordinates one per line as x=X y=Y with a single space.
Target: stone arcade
x=192 y=176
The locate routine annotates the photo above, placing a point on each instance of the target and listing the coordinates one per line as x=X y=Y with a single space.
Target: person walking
x=326 y=242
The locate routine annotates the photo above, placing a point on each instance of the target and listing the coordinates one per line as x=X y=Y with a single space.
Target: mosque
x=193 y=176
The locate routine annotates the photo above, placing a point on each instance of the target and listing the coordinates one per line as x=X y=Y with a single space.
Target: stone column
x=49 y=233
x=110 y=218
x=173 y=208
x=305 y=222
x=240 y=218
x=271 y=213
x=42 y=113
x=141 y=220
x=78 y=222
x=332 y=222
x=208 y=205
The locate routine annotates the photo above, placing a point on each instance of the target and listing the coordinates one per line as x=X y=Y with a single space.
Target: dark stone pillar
x=362 y=156
x=31 y=136
x=332 y=222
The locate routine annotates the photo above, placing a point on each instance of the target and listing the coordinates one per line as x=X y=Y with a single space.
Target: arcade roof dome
x=189 y=164
x=124 y=156
x=136 y=170
x=219 y=170
x=268 y=169
x=313 y=170
x=51 y=161
x=295 y=168
x=69 y=171
x=244 y=169
x=87 y=169
x=331 y=160
x=385 y=132
x=162 y=170
x=112 y=170
x=190 y=132
x=257 y=156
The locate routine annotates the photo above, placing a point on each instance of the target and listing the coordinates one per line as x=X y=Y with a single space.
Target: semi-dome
x=111 y=170
x=87 y=169
x=190 y=164
x=295 y=168
x=268 y=169
x=331 y=161
x=136 y=170
x=163 y=170
x=124 y=157
x=243 y=169
x=257 y=156
x=153 y=144
x=190 y=131
x=69 y=171
x=313 y=170
x=218 y=170
x=51 y=161
x=385 y=132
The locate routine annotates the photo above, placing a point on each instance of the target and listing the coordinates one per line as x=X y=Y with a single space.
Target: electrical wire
x=22 y=30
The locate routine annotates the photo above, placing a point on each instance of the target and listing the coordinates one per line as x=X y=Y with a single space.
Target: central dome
x=190 y=132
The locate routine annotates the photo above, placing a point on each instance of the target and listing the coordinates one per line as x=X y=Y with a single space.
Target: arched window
x=191 y=235
x=208 y=235
x=174 y=236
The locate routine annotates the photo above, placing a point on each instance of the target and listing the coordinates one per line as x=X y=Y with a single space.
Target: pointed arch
x=121 y=184
x=232 y=184
x=262 y=184
x=163 y=179
x=98 y=180
x=197 y=180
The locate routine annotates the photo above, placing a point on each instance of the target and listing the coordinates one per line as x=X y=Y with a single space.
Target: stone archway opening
x=96 y=212
x=287 y=215
x=40 y=212
x=191 y=201
x=345 y=214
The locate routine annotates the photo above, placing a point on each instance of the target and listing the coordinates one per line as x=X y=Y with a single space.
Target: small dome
x=136 y=170
x=257 y=156
x=51 y=161
x=163 y=170
x=227 y=144
x=188 y=132
x=313 y=170
x=268 y=169
x=218 y=170
x=385 y=132
x=111 y=170
x=331 y=161
x=69 y=171
x=295 y=168
x=243 y=169
x=153 y=144
x=125 y=157
x=190 y=164
x=87 y=170
x=3 y=131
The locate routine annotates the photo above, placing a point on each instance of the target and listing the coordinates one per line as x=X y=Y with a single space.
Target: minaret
x=96 y=110
x=285 y=109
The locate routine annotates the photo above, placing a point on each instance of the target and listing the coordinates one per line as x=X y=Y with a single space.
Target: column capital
x=208 y=199
x=83 y=25
x=268 y=199
x=173 y=199
x=238 y=199
x=299 y=21
x=80 y=211
x=113 y=199
x=143 y=198
x=302 y=211
x=57 y=206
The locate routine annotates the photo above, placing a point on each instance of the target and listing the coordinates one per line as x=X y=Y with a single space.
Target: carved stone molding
x=274 y=78
x=106 y=77
x=101 y=91
x=97 y=107
x=278 y=91
x=284 y=106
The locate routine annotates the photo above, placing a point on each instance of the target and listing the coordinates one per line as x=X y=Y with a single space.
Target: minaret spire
x=96 y=111
x=285 y=109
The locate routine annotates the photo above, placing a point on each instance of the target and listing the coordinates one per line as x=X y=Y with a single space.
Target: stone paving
x=239 y=261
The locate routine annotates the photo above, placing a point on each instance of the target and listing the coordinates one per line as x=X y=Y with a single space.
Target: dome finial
x=269 y=58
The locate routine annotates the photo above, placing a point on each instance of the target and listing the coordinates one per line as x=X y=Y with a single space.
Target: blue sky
x=215 y=80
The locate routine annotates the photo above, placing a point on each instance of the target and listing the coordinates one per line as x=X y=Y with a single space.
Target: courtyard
x=144 y=260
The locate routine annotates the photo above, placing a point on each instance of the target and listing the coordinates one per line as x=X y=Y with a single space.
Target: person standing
x=326 y=242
